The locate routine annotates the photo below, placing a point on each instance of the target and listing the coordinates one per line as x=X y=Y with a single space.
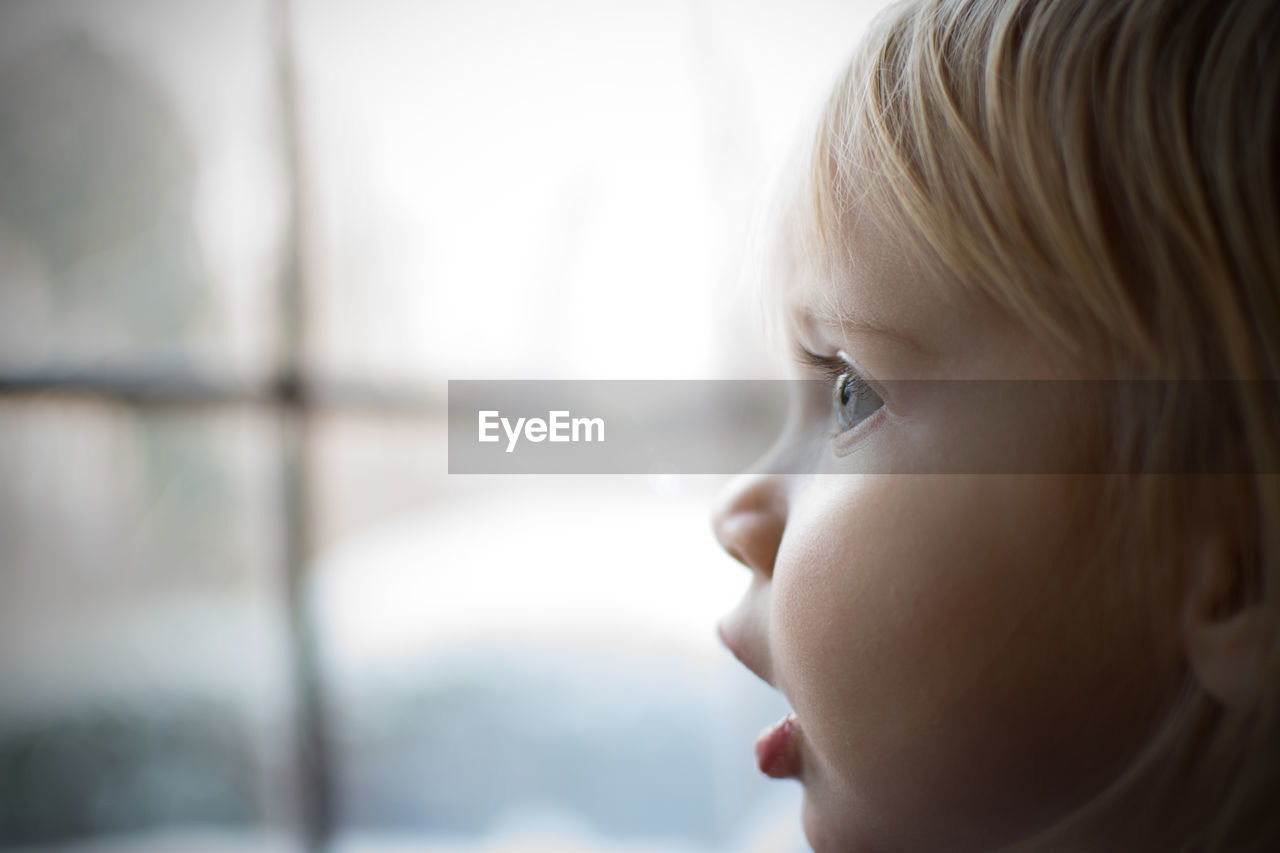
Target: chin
x=834 y=830
x=821 y=835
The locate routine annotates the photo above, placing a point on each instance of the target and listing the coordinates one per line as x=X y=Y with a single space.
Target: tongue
x=778 y=749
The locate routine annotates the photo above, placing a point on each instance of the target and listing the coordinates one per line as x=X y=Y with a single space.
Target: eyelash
x=834 y=369
x=831 y=367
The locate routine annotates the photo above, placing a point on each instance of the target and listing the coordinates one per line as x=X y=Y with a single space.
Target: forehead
x=871 y=289
x=862 y=281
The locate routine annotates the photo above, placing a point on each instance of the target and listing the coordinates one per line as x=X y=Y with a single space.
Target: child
x=1083 y=658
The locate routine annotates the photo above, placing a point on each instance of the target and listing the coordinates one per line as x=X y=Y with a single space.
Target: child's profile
x=1040 y=190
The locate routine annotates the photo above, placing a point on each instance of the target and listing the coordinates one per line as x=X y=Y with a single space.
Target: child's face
x=959 y=677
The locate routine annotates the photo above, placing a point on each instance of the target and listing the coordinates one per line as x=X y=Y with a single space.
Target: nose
x=749 y=518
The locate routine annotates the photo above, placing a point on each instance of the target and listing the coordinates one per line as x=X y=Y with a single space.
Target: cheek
x=928 y=632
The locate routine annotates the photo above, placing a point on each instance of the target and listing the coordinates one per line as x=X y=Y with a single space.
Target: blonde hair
x=1109 y=174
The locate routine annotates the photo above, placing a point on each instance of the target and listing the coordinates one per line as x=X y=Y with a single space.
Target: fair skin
x=960 y=679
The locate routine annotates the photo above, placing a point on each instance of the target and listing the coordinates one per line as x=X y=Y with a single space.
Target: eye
x=853 y=400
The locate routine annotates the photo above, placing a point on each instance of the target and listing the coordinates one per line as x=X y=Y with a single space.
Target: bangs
x=942 y=126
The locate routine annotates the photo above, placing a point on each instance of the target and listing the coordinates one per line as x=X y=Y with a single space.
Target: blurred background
x=243 y=247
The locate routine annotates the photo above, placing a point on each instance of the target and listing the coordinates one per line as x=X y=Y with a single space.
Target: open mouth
x=778 y=749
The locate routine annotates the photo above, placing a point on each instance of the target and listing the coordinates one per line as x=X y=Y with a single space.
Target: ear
x=1223 y=625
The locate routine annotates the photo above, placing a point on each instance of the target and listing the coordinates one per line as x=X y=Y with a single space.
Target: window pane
x=141 y=646
x=139 y=185
x=511 y=190
x=557 y=189
x=522 y=658
x=535 y=662
x=373 y=467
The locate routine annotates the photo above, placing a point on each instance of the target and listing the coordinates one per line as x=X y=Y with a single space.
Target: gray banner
x=928 y=427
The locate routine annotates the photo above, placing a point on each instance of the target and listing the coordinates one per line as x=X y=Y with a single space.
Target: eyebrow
x=805 y=320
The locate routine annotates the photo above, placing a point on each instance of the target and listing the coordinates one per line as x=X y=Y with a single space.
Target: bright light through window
x=244 y=605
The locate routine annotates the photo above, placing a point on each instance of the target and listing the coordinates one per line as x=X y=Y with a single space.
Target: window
x=244 y=245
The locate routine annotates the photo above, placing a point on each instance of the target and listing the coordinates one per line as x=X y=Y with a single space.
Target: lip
x=778 y=749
